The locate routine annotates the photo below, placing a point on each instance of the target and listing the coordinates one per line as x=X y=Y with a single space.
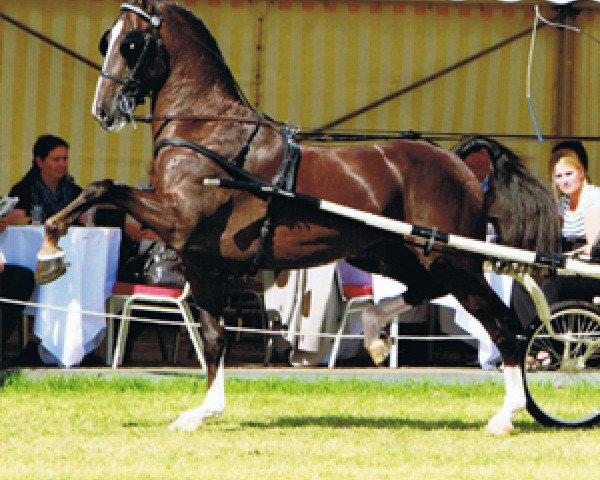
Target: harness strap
x=286 y=176
x=240 y=157
x=285 y=179
x=232 y=169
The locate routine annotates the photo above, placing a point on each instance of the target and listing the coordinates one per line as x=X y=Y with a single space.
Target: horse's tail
x=523 y=209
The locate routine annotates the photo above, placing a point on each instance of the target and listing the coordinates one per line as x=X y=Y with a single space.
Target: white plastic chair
x=356 y=294
x=149 y=298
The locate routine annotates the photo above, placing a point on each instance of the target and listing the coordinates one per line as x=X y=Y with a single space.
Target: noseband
x=132 y=94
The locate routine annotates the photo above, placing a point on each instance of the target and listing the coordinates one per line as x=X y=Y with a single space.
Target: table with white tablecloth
x=66 y=334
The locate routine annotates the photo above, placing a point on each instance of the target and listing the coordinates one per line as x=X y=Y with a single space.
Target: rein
x=230 y=166
x=261 y=120
x=285 y=179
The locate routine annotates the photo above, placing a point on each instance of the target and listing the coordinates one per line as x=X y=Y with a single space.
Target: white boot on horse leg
x=213 y=405
x=377 y=317
x=514 y=402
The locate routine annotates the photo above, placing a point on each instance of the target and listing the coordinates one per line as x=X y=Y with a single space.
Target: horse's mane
x=523 y=208
x=209 y=44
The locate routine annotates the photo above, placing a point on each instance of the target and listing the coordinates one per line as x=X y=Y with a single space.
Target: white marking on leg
x=213 y=405
x=514 y=402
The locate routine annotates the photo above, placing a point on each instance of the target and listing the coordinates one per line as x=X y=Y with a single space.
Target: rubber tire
x=534 y=332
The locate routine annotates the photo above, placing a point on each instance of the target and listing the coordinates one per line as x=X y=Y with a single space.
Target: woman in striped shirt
x=578 y=199
x=579 y=206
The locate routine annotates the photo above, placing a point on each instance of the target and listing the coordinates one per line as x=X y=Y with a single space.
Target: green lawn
x=98 y=428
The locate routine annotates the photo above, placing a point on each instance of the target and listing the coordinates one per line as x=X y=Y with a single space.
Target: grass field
x=98 y=428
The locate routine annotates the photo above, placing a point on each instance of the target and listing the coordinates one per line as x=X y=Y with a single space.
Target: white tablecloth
x=93 y=255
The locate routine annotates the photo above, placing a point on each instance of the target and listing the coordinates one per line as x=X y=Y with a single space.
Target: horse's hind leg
x=421 y=286
x=475 y=294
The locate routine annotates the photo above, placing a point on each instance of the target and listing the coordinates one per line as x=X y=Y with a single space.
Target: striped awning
x=313 y=63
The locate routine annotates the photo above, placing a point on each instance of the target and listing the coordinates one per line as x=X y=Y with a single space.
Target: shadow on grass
x=337 y=421
x=344 y=422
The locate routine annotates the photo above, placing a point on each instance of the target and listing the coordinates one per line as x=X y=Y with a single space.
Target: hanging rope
x=538 y=17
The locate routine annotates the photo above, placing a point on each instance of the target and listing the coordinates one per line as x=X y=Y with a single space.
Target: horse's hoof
x=186 y=423
x=499 y=429
x=48 y=270
x=379 y=349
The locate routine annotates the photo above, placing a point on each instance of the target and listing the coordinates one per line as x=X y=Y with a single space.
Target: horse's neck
x=214 y=127
x=182 y=96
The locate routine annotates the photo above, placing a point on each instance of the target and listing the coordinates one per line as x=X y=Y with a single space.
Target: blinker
x=132 y=46
x=103 y=43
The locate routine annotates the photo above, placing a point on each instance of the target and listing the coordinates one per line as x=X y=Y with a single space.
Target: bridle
x=132 y=93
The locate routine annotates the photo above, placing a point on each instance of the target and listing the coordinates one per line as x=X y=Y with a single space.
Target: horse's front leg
x=214 y=401
x=207 y=292
x=146 y=207
x=51 y=259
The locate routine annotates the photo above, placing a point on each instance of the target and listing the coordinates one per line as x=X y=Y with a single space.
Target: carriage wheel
x=561 y=373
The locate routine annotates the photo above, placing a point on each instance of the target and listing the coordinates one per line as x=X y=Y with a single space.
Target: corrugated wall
x=307 y=62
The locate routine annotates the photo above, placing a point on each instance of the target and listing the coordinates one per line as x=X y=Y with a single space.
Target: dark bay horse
x=204 y=128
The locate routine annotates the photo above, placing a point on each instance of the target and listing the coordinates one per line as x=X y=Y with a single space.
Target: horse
x=204 y=128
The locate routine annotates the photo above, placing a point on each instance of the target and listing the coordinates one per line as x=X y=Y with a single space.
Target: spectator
x=47 y=182
x=16 y=283
x=578 y=200
x=47 y=185
x=579 y=206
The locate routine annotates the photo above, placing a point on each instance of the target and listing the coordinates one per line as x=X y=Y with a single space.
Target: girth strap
x=284 y=180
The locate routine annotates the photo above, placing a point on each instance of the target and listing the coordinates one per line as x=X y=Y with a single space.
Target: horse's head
x=135 y=63
x=153 y=46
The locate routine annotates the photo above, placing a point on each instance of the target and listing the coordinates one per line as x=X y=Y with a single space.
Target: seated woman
x=579 y=206
x=47 y=182
x=16 y=283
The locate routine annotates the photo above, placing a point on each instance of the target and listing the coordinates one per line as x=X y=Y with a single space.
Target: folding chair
x=356 y=294
x=149 y=298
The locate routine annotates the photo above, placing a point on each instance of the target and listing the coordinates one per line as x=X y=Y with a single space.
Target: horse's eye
x=103 y=43
x=132 y=46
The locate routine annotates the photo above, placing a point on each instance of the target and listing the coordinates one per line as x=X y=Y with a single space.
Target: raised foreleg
x=146 y=207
